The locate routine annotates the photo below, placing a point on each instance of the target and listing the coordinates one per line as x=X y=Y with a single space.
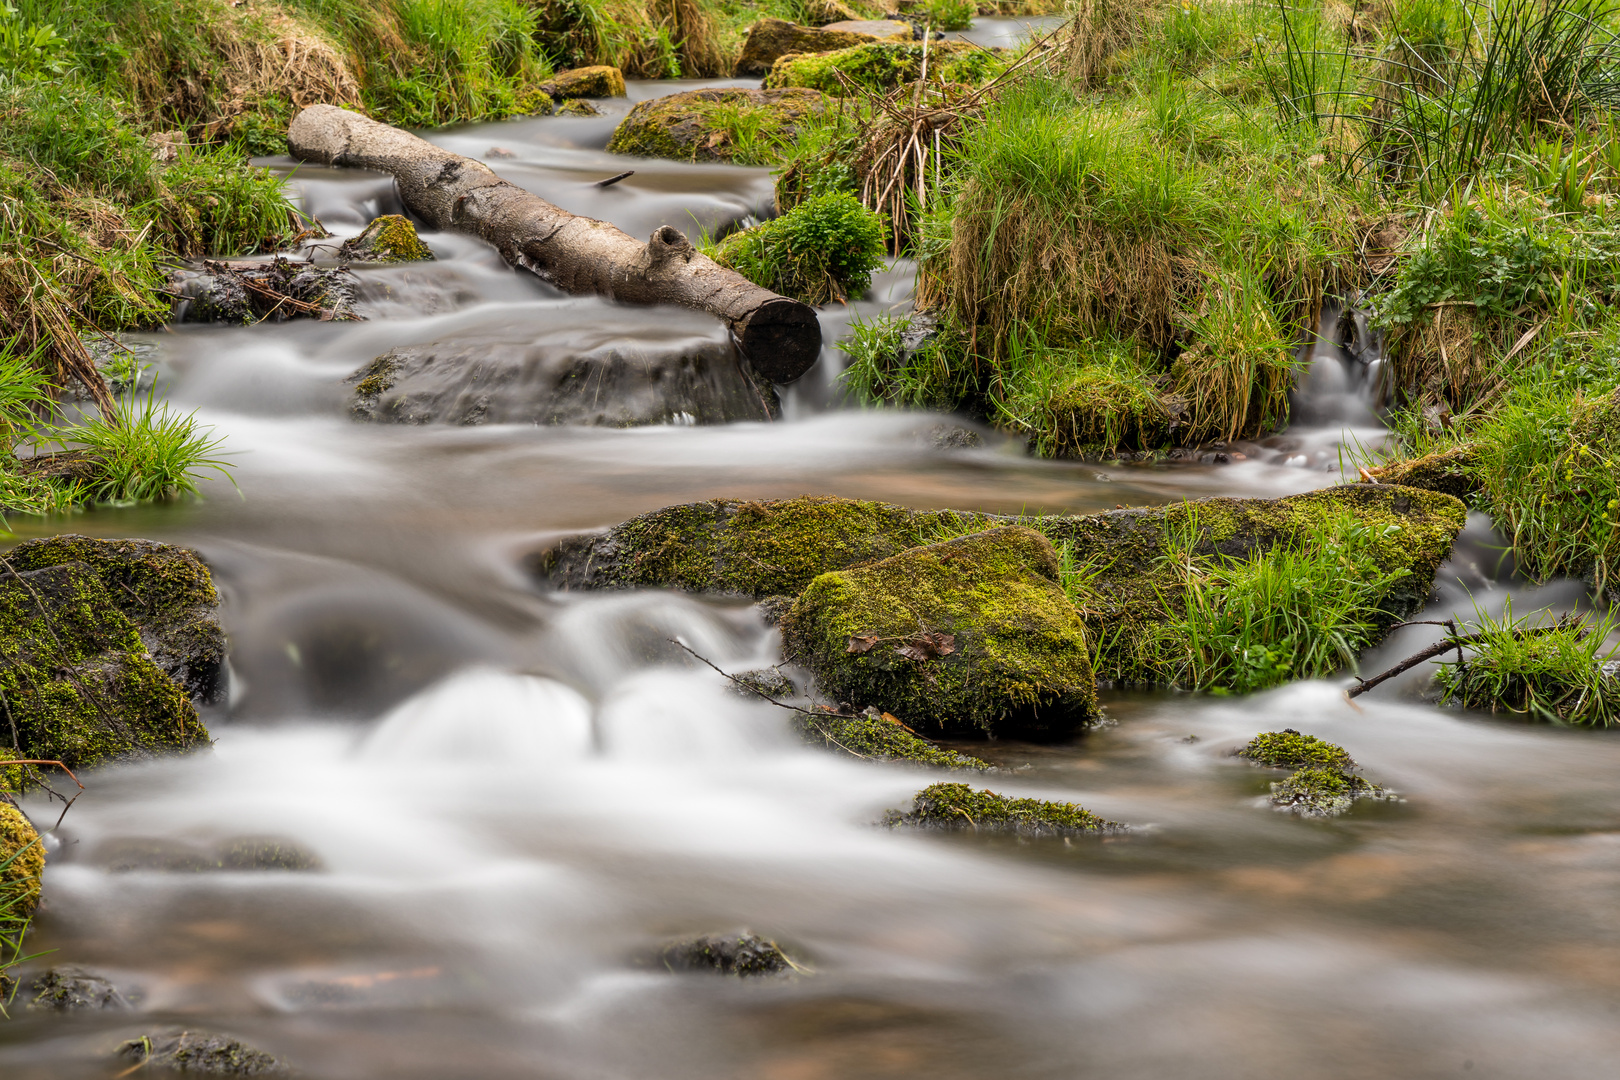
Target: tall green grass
x=1561 y=671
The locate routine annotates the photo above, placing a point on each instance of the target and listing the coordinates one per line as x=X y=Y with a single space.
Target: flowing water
x=513 y=795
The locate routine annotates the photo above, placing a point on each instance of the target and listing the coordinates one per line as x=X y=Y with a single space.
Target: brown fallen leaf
x=860 y=643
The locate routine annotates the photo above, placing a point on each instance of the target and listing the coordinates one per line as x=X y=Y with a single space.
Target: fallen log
x=781 y=338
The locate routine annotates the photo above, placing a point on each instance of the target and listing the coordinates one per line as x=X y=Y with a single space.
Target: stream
x=513 y=795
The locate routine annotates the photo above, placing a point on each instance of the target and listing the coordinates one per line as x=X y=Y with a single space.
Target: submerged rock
x=597 y=80
x=22 y=862
x=171 y=856
x=771 y=39
x=275 y=291
x=72 y=989
x=957 y=807
x=200 y=1052
x=603 y=378
x=691 y=126
x=878 y=736
x=388 y=239
x=965 y=636
x=884 y=65
x=742 y=954
x=80 y=682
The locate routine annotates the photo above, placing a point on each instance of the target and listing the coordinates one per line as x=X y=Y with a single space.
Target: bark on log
x=780 y=337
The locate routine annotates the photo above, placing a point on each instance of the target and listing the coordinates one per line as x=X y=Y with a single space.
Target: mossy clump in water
x=388 y=239
x=755 y=549
x=878 y=736
x=22 y=861
x=1323 y=792
x=82 y=642
x=883 y=65
x=970 y=635
x=742 y=954
x=958 y=806
x=734 y=124
x=1288 y=749
x=822 y=250
x=200 y=1052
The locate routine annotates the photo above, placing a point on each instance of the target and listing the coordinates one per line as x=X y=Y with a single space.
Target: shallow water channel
x=512 y=794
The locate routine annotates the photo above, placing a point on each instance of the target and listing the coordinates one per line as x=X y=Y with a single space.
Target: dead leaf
x=861 y=643
x=914 y=652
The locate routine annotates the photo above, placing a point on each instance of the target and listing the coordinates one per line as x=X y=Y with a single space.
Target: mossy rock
x=878 y=736
x=388 y=239
x=598 y=81
x=742 y=954
x=166 y=591
x=200 y=1052
x=578 y=107
x=1324 y=792
x=883 y=65
x=104 y=643
x=683 y=127
x=72 y=989
x=1288 y=749
x=1450 y=471
x=965 y=636
x=24 y=859
x=771 y=39
x=957 y=807
x=754 y=549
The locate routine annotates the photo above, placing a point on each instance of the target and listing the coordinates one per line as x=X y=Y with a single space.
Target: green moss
x=958 y=807
x=1288 y=749
x=22 y=862
x=388 y=239
x=597 y=80
x=883 y=65
x=79 y=684
x=1323 y=792
x=1451 y=471
x=734 y=124
x=878 y=736
x=967 y=635
x=822 y=250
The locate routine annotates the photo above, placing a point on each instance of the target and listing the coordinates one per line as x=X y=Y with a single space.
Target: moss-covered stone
x=597 y=80
x=755 y=549
x=200 y=1052
x=1288 y=749
x=1323 y=792
x=878 y=736
x=958 y=807
x=166 y=591
x=968 y=635
x=771 y=39
x=22 y=862
x=71 y=989
x=1450 y=471
x=699 y=125
x=388 y=239
x=883 y=65
x=578 y=107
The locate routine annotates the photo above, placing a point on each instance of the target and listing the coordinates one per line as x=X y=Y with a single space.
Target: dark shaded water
x=511 y=793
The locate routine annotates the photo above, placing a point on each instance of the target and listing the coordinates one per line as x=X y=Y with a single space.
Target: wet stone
x=199 y=1052
x=763 y=682
x=742 y=954
x=274 y=291
x=73 y=989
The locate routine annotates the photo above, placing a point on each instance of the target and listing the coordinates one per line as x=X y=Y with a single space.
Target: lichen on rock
x=22 y=862
x=390 y=238
x=883 y=65
x=957 y=807
x=969 y=635
x=597 y=80
x=878 y=736
x=692 y=126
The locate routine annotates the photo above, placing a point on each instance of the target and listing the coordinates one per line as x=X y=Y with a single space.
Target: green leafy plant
x=29 y=49
x=1559 y=670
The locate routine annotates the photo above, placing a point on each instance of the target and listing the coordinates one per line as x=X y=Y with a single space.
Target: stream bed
x=512 y=796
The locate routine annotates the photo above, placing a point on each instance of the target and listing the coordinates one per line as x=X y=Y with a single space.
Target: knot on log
x=668 y=242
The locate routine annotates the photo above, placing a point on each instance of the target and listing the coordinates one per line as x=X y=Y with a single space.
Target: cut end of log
x=781 y=339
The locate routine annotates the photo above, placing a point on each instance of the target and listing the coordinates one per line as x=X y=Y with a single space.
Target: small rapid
x=500 y=799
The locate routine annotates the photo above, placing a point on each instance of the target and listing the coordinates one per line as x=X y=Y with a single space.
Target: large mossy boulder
x=22 y=862
x=701 y=125
x=771 y=39
x=969 y=635
x=883 y=65
x=103 y=646
x=754 y=549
